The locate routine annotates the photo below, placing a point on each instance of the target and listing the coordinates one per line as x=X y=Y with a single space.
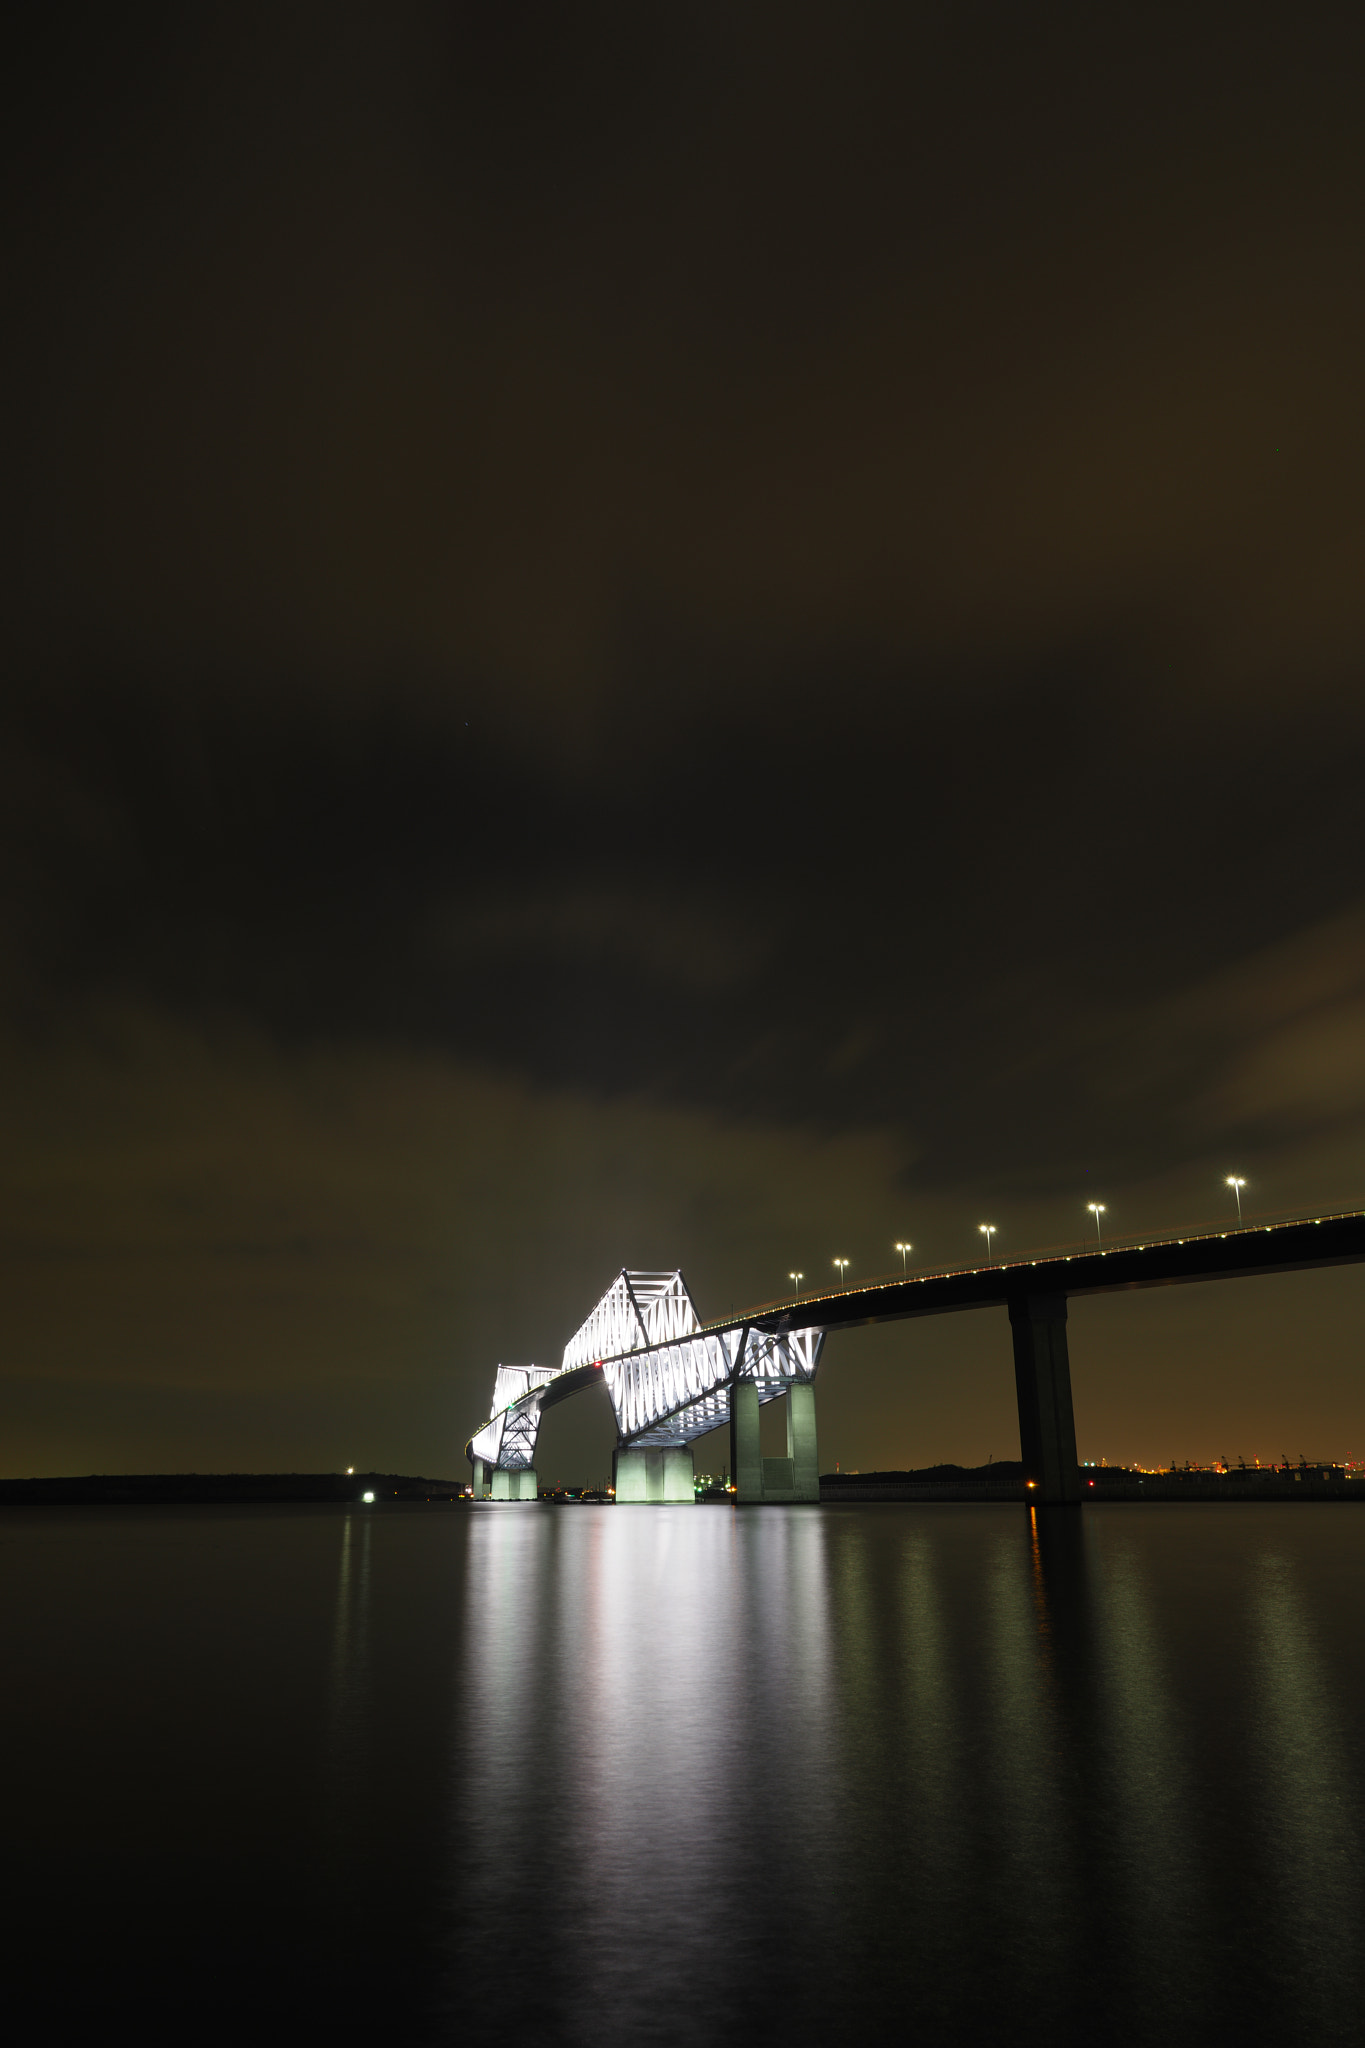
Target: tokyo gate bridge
x=670 y=1380
x=672 y=1377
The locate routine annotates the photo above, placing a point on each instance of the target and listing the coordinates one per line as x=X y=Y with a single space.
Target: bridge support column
x=801 y=1445
x=477 y=1488
x=776 y=1480
x=746 y=1454
x=518 y=1484
x=1042 y=1380
x=653 y=1478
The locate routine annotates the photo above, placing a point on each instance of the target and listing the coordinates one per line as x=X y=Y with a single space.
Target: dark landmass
x=997 y=1481
x=220 y=1489
x=1001 y=1481
x=1001 y=1471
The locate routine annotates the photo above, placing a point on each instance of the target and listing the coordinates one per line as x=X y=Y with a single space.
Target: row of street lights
x=988 y=1230
x=841 y=1264
x=1097 y=1209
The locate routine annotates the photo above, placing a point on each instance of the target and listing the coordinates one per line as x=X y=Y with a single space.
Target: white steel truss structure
x=509 y=1437
x=515 y=1380
x=670 y=1393
x=669 y=1380
x=637 y=1310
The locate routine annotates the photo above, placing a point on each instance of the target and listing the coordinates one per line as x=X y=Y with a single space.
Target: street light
x=1097 y=1210
x=903 y=1249
x=842 y=1264
x=1236 y=1183
x=798 y=1278
x=988 y=1232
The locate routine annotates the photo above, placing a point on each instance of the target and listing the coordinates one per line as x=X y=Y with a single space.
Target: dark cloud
x=461 y=347
x=661 y=635
x=944 y=923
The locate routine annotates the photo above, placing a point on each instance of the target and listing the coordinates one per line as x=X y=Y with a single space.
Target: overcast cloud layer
x=653 y=636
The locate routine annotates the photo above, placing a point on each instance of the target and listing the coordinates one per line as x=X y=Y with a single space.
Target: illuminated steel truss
x=669 y=1380
x=672 y=1392
x=638 y=1309
x=509 y=1438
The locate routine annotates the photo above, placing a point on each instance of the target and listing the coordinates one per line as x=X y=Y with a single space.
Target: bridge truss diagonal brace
x=519 y=1435
x=508 y=1442
x=1042 y=1380
x=674 y=1392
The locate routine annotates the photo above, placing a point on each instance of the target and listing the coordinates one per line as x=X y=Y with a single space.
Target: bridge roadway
x=1296 y=1247
x=1035 y=1292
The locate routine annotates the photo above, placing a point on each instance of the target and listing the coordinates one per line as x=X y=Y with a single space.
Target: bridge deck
x=1295 y=1247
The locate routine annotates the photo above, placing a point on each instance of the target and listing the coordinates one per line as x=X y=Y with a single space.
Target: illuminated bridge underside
x=669 y=1380
x=674 y=1392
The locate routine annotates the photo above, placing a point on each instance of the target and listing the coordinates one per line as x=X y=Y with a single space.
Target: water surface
x=654 y=1775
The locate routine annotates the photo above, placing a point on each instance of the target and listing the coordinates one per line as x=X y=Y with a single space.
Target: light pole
x=1236 y=1183
x=798 y=1278
x=842 y=1264
x=988 y=1232
x=1097 y=1210
x=903 y=1249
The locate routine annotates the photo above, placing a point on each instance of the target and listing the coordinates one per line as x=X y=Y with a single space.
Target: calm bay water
x=665 y=1774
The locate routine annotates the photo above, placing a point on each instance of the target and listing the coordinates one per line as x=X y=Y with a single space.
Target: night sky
x=706 y=635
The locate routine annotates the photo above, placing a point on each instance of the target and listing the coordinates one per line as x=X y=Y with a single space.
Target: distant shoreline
x=1002 y=1482
x=223 y=1489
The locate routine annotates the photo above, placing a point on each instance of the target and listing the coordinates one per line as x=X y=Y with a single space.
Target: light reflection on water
x=1159 y=1865
x=640 y=1775
x=1309 y=1781
x=350 y=1678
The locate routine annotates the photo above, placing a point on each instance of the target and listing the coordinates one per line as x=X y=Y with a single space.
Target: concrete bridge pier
x=653 y=1478
x=746 y=1453
x=1042 y=1380
x=516 y=1484
x=478 y=1485
x=787 y=1480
